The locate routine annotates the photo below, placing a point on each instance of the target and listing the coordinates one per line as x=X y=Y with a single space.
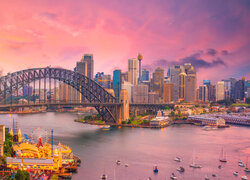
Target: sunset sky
x=213 y=35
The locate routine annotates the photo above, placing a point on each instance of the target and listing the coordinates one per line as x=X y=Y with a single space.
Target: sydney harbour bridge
x=44 y=79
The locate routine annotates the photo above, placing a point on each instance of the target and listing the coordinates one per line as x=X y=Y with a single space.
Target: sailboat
x=247 y=169
x=193 y=164
x=223 y=156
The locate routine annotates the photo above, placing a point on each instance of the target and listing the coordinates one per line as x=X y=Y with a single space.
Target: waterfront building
x=140 y=73
x=88 y=59
x=234 y=119
x=104 y=80
x=159 y=120
x=240 y=89
x=129 y=87
x=220 y=91
x=140 y=93
x=168 y=95
x=2 y=139
x=132 y=71
x=157 y=81
x=190 y=83
x=145 y=75
x=203 y=93
x=153 y=98
x=117 y=82
x=207 y=120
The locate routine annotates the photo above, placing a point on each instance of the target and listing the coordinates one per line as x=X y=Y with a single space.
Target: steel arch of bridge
x=89 y=89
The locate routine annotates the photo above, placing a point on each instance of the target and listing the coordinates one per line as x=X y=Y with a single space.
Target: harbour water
x=141 y=148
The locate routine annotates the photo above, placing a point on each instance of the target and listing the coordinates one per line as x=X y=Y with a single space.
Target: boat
x=214 y=175
x=206 y=178
x=118 y=162
x=241 y=164
x=219 y=166
x=181 y=169
x=155 y=169
x=193 y=164
x=236 y=173
x=209 y=128
x=223 y=157
x=126 y=165
x=244 y=178
x=104 y=177
x=178 y=159
x=105 y=127
x=173 y=176
x=247 y=169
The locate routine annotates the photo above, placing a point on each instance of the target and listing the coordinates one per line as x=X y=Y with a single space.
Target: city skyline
x=166 y=33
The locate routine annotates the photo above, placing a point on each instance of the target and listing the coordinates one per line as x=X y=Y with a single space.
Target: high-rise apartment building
x=203 y=93
x=124 y=76
x=88 y=59
x=232 y=92
x=140 y=93
x=133 y=71
x=117 y=83
x=220 y=91
x=81 y=67
x=153 y=98
x=168 y=95
x=157 y=81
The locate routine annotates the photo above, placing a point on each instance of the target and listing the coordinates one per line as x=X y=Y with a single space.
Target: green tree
x=20 y=175
x=166 y=107
x=172 y=113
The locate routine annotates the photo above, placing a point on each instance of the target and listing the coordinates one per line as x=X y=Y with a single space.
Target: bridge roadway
x=132 y=106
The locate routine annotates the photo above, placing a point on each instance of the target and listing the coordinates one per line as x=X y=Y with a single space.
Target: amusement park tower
x=139 y=59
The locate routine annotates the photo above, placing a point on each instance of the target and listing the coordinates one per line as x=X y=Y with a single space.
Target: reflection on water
x=142 y=148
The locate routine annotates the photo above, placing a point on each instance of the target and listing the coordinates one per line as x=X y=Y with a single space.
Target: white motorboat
x=173 y=176
x=118 y=162
x=193 y=165
x=244 y=178
x=178 y=159
x=206 y=178
x=104 y=177
x=126 y=165
x=236 y=173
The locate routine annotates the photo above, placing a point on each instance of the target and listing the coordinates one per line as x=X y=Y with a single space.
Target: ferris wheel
x=40 y=133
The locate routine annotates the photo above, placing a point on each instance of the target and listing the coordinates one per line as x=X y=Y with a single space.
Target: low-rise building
x=207 y=120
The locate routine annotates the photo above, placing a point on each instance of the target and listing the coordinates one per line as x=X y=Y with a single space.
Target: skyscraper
x=133 y=71
x=117 y=82
x=104 y=80
x=211 y=92
x=220 y=91
x=145 y=75
x=168 y=95
x=173 y=73
x=240 y=89
x=88 y=58
x=129 y=87
x=203 y=93
x=157 y=81
x=227 y=88
x=140 y=93
x=206 y=82
x=81 y=67
x=182 y=81
x=190 y=83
